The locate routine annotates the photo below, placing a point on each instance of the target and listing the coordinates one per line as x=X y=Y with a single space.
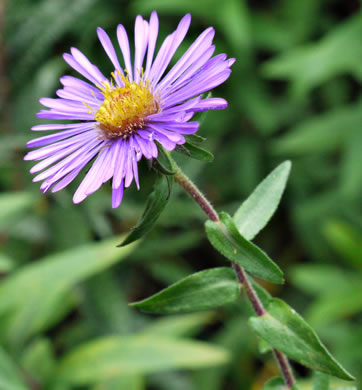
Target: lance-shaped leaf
x=195 y=152
x=225 y=237
x=259 y=207
x=156 y=203
x=287 y=331
x=163 y=163
x=111 y=356
x=194 y=139
x=201 y=291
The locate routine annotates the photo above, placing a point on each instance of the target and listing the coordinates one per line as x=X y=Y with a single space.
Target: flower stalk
x=258 y=306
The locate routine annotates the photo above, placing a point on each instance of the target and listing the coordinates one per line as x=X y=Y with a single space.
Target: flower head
x=124 y=117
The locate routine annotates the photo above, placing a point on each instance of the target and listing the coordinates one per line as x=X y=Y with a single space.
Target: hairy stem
x=259 y=309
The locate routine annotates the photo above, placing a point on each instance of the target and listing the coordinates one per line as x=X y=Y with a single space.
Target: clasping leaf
x=225 y=237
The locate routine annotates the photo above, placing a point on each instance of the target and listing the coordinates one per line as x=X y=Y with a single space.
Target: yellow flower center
x=124 y=109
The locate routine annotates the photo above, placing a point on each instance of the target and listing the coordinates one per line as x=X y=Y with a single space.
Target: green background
x=293 y=94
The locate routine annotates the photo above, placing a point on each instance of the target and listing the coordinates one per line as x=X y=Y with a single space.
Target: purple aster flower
x=123 y=118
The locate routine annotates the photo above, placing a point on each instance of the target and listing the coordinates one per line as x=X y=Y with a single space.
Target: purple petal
x=162 y=128
x=179 y=127
x=124 y=45
x=88 y=66
x=210 y=104
x=51 y=149
x=190 y=73
x=202 y=43
x=109 y=49
x=67 y=179
x=152 y=38
x=65 y=105
x=205 y=83
x=93 y=179
x=82 y=87
x=178 y=36
x=48 y=139
x=60 y=126
x=73 y=161
x=117 y=195
x=57 y=115
x=70 y=60
x=141 y=38
x=162 y=139
x=119 y=168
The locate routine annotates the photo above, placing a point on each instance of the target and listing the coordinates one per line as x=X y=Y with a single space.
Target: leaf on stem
x=287 y=331
x=259 y=207
x=200 y=291
x=156 y=203
x=225 y=237
x=195 y=152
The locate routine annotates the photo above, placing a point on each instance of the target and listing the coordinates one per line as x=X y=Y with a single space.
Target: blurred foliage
x=293 y=94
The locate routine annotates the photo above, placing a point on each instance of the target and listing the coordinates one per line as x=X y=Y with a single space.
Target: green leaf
x=9 y=374
x=111 y=356
x=13 y=205
x=34 y=297
x=201 y=291
x=320 y=381
x=163 y=162
x=156 y=203
x=196 y=152
x=225 y=237
x=185 y=325
x=286 y=331
x=194 y=139
x=256 y=211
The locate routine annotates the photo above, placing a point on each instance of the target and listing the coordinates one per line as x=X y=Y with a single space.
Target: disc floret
x=125 y=108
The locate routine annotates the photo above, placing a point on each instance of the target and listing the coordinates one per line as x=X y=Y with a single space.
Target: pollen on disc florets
x=125 y=108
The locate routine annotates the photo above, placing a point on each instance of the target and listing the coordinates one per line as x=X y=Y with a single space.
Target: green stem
x=259 y=309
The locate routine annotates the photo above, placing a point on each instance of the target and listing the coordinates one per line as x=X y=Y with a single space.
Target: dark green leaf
x=163 y=163
x=196 y=152
x=256 y=211
x=109 y=357
x=201 y=291
x=286 y=331
x=194 y=139
x=156 y=203
x=225 y=237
